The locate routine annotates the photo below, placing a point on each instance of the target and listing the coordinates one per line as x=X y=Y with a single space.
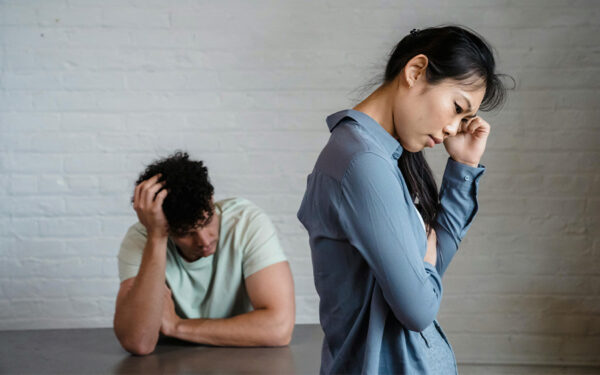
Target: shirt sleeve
x=374 y=210
x=131 y=251
x=261 y=245
x=458 y=199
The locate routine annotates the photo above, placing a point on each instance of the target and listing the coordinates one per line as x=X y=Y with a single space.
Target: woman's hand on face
x=468 y=145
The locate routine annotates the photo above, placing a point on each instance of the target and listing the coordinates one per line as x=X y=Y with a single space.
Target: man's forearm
x=256 y=328
x=138 y=315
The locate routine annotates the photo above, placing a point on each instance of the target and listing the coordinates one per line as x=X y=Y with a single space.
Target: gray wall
x=93 y=90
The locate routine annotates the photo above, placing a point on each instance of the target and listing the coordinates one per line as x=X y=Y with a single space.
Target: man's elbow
x=133 y=345
x=284 y=337
x=138 y=348
x=282 y=333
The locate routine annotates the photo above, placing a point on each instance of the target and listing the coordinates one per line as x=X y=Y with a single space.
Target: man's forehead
x=205 y=219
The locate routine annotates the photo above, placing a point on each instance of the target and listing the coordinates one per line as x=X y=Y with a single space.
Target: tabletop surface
x=97 y=351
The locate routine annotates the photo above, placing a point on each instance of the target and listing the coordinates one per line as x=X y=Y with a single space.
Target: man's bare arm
x=271 y=291
x=140 y=300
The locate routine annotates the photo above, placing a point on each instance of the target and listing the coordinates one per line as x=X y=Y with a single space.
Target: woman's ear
x=414 y=70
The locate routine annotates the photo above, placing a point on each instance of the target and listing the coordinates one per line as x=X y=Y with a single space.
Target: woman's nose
x=451 y=130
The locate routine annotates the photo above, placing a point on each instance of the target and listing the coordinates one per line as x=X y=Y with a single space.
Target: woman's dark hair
x=188 y=203
x=454 y=52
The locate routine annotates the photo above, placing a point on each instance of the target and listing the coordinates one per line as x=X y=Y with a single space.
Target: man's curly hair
x=188 y=203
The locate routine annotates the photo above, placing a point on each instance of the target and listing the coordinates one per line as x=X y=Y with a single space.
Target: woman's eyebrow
x=469 y=107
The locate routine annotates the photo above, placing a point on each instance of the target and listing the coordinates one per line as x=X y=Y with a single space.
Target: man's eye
x=458 y=108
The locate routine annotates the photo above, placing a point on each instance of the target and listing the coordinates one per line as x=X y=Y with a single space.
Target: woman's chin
x=414 y=148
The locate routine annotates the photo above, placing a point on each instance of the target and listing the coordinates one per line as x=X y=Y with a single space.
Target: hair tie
x=414 y=31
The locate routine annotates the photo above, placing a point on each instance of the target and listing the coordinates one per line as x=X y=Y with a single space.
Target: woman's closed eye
x=458 y=108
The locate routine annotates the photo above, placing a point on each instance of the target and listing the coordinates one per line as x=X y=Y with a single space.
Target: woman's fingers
x=479 y=125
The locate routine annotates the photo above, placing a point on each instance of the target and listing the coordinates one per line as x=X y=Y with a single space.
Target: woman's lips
x=431 y=142
x=436 y=141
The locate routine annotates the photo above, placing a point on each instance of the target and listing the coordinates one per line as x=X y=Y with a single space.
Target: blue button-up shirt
x=367 y=245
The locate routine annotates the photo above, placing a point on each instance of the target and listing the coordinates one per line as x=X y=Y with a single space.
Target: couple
x=381 y=235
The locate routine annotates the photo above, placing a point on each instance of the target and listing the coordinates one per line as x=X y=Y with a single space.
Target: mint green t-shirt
x=213 y=286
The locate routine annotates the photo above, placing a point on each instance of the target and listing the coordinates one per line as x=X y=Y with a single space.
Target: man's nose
x=203 y=238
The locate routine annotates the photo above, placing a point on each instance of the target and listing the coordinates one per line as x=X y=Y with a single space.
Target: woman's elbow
x=417 y=325
x=416 y=320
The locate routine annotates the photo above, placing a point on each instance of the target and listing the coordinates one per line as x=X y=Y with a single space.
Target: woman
x=381 y=236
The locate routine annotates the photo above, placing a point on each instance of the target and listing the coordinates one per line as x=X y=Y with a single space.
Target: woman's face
x=424 y=113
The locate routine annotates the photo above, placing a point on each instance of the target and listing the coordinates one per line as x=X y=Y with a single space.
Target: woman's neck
x=379 y=106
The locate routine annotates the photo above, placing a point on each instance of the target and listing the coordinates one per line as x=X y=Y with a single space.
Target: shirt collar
x=391 y=145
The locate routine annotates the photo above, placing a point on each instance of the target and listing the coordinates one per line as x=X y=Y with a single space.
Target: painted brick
x=22 y=184
x=69 y=227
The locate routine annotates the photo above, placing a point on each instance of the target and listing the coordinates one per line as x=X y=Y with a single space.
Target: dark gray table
x=97 y=351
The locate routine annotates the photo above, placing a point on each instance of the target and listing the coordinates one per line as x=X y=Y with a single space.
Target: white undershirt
x=420 y=217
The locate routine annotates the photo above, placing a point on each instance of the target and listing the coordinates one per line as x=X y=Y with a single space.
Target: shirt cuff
x=436 y=278
x=460 y=175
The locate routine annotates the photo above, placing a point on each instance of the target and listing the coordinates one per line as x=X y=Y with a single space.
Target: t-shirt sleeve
x=131 y=251
x=261 y=245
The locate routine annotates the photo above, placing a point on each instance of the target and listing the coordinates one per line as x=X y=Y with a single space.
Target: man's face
x=201 y=241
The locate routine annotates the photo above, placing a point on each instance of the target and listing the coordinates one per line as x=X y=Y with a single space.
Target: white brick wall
x=91 y=91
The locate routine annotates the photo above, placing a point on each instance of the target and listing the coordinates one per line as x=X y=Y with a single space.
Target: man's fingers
x=152 y=190
x=150 y=193
x=136 y=196
x=151 y=181
x=139 y=198
x=160 y=197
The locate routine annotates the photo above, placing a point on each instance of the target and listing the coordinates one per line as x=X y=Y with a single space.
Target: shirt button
x=467 y=178
x=396 y=155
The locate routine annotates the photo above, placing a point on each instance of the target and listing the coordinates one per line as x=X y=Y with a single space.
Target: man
x=197 y=270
